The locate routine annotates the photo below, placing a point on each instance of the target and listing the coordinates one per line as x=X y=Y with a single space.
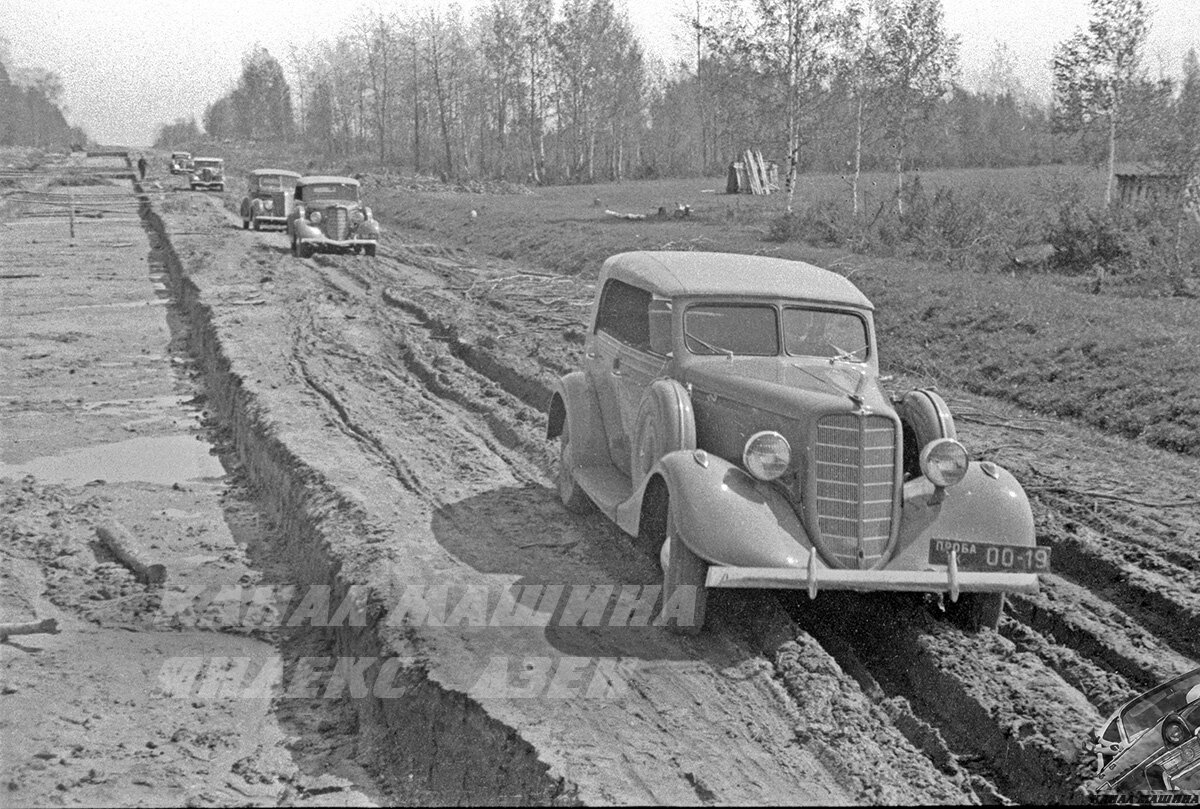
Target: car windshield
x=721 y=328
x=1144 y=712
x=208 y=164
x=328 y=191
x=273 y=182
x=811 y=332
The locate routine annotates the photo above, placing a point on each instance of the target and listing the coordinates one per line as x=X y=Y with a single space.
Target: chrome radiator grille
x=855 y=465
x=337 y=221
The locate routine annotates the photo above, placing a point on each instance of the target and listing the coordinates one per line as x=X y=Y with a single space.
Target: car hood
x=782 y=385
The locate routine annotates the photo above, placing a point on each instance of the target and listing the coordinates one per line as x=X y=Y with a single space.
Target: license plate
x=990 y=556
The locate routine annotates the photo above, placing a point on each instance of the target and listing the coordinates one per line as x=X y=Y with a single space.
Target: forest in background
x=552 y=91
x=30 y=108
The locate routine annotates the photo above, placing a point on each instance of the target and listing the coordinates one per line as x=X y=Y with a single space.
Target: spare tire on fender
x=665 y=423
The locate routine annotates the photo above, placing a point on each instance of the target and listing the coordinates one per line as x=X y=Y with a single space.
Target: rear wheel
x=976 y=611
x=682 y=569
x=245 y=224
x=572 y=496
x=370 y=250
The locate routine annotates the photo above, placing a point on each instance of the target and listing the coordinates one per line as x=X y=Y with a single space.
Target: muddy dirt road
x=382 y=421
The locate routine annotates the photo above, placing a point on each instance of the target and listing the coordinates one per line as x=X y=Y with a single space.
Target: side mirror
x=660 y=326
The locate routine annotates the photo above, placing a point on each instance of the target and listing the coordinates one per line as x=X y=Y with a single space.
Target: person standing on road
x=142 y=166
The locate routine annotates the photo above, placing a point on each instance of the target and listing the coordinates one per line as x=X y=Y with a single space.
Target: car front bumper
x=815 y=577
x=207 y=186
x=319 y=242
x=271 y=220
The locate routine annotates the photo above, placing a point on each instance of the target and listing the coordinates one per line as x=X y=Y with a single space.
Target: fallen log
x=47 y=626
x=123 y=546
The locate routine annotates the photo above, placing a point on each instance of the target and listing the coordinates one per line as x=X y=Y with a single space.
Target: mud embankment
x=429 y=744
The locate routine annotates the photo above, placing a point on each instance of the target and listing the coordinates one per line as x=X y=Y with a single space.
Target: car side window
x=625 y=314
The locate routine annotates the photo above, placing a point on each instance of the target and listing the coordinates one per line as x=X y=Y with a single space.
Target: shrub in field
x=1085 y=238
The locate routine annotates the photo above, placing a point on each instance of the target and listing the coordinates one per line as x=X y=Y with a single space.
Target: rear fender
x=723 y=515
x=574 y=405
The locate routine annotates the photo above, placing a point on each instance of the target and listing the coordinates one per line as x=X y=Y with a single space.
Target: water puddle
x=164 y=460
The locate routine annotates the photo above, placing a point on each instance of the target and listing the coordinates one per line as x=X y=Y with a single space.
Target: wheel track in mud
x=1084 y=646
x=1099 y=632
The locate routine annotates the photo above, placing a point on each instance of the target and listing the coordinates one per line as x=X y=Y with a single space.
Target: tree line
x=30 y=111
x=562 y=91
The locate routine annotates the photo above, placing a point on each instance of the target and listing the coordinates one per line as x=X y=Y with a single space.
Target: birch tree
x=1095 y=70
x=919 y=60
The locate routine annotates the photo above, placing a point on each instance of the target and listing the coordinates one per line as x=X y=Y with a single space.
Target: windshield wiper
x=714 y=349
x=844 y=355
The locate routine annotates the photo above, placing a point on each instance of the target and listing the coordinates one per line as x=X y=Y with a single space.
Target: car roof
x=181 y=154
x=218 y=159
x=675 y=273
x=327 y=178
x=285 y=172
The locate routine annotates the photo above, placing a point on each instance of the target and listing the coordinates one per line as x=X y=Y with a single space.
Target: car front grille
x=855 y=472
x=277 y=208
x=337 y=219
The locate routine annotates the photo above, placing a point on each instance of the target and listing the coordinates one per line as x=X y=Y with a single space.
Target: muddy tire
x=245 y=224
x=369 y=250
x=256 y=224
x=304 y=250
x=295 y=247
x=976 y=611
x=572 y=496
x=682 y=568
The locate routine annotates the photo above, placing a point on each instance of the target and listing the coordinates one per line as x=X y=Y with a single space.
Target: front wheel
x=683 y=609
x=257 y=224
x=976 y=611
x=370 y=250
x=245 y=224
x=306 y=250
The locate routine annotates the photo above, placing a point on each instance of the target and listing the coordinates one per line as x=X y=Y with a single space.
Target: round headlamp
x=767 y=455
x=1174 y=732
x=269 y=204
x=357 y=216
x=314 y=217
x=944 y=462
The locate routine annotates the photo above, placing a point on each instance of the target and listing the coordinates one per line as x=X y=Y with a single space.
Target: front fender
x=982 y=507
x=369 y=229
x=727 y=517
x=303 y=229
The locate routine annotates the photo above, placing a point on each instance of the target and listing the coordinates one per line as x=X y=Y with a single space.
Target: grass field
x=1128 y=363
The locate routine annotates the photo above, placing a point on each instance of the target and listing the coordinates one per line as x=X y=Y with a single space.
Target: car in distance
x=269 y=196
x=181 y=162
x=730 y=415
x=330 y=216
x=1140 y=716
x=208 y=173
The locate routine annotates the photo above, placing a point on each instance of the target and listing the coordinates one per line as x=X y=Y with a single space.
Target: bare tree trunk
x=441 y=101
x=858 y=144
x=1112 y=156
x=900 y=179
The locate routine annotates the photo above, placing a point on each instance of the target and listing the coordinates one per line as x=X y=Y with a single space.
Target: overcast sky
x=128 y=65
